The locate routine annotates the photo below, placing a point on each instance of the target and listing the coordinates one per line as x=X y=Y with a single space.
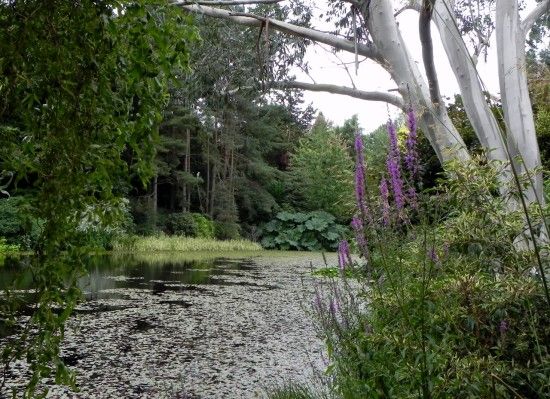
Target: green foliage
x=82 y=86
x=181 y=224
x=322 y=173
x=313 y=231
x=227 y=230
x=226 y=217
x=189 y=225
x=205 y=226
x=334 y=272
x=477 y=218
x=348 y=131
x=542 y=126
x=7 y=248
x=451 y=307
x=15 y=227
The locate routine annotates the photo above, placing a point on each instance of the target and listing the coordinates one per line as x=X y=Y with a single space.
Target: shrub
x=15 y=227
x=227 y=230
x=312 y=231
x=181 y=224
x=450 y=308
x=7 y=248
x=205 y=226
x=452 y=303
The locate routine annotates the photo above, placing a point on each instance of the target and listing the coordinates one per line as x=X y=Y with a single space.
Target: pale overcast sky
x=337 y=108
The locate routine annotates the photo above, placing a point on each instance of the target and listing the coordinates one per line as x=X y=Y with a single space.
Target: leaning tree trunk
x=516 y=104
x=477 y=109
x=395 y=58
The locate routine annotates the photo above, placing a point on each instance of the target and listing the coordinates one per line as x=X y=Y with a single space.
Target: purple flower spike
x=332 y=308
x=411 y=157
x=346 y=252
x=385 y=196
x=318 y=302
x=344 y=256
x=359 y=230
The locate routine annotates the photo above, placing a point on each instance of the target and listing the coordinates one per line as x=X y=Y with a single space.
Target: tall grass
x=182 y=244
x=290 y=390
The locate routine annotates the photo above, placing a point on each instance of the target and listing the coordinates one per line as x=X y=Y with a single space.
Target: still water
x=167 y=325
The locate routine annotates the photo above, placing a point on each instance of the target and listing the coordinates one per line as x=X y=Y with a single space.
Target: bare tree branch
x=542 y=8
x=425 y=32
x=343 y=90
x=410 y=6
x=222 y=2
x=285 y=27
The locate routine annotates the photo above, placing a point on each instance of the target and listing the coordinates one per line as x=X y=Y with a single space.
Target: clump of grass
x=184 y=244
x=335 y=272
x=291 y=390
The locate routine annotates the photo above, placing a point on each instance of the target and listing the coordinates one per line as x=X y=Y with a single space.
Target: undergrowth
x=451 y=301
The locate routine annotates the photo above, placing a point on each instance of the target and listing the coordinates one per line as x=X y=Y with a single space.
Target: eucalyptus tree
x=371 y=30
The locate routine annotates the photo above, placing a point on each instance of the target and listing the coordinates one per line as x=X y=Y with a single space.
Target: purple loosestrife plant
x=411 y=156
x=344 y=256
x=393 y=164
x=385 y=197
x=359 y=230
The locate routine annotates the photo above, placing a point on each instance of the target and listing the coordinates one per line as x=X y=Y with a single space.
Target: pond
x=174 y=326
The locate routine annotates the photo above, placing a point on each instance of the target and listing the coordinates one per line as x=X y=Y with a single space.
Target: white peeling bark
x=516 y=104
x=542 y=8
x=346 y=91
x=285 y=27
x=475 y=104
x=477 y=109
x=433 y=118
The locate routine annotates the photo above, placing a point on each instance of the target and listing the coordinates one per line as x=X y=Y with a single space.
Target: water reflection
x=107 y=275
